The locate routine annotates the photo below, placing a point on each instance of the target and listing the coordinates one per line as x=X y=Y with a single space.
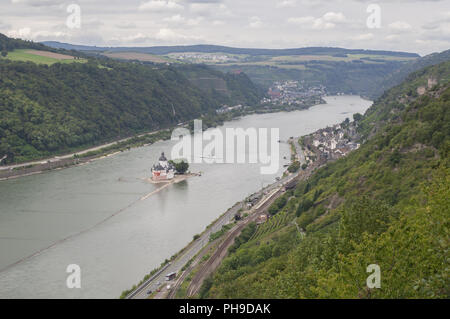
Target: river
x=93 y=216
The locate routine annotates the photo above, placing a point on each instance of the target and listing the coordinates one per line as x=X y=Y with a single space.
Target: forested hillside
x=399 y=75
x=387 y=203
x=8 y=44
x=46 y=110
x=227 y=88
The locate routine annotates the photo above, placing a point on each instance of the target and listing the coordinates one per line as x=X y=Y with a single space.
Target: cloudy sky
x=404 y=25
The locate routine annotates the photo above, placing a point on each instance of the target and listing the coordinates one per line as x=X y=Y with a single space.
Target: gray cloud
x=38 y=3
x=125 y=25
x=203 y=1
x=413 y=25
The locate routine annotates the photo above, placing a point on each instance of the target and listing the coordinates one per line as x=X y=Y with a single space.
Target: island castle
x=163 y=170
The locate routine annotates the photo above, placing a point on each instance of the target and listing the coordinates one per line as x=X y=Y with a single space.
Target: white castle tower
x=163 y=170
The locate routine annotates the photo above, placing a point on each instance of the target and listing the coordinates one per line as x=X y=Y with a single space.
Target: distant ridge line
x=205 y=48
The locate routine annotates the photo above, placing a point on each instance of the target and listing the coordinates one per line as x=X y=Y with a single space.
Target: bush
x=245 y=235
x=294 y=167
x=304 y=206
x=181 y=167
x=277 y=205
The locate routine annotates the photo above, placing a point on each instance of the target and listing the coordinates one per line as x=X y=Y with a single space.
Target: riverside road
x=192 y=249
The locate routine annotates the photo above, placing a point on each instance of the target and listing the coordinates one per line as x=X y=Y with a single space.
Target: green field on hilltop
x=23 y=55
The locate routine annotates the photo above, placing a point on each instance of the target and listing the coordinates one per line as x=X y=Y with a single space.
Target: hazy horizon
x=219 y=45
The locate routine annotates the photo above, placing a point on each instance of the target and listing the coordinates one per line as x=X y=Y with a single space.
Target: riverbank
x=190 y=279
x=197 y=249
x=206 y=254
x=83 y=156
x=198 y=268
x=185 y=256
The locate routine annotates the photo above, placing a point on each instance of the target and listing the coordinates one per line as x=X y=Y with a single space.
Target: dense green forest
x=387 y=203
x=47 y=110
x=225 y=88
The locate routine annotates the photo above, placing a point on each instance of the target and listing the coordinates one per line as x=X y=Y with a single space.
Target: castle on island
x=163 y=170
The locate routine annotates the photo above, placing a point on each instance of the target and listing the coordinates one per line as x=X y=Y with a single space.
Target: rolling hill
x=163 y=50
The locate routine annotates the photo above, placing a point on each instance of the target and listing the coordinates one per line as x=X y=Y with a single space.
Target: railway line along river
x=93 y=216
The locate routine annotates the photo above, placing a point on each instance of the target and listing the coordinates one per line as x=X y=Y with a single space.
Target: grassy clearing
x=26 y=56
